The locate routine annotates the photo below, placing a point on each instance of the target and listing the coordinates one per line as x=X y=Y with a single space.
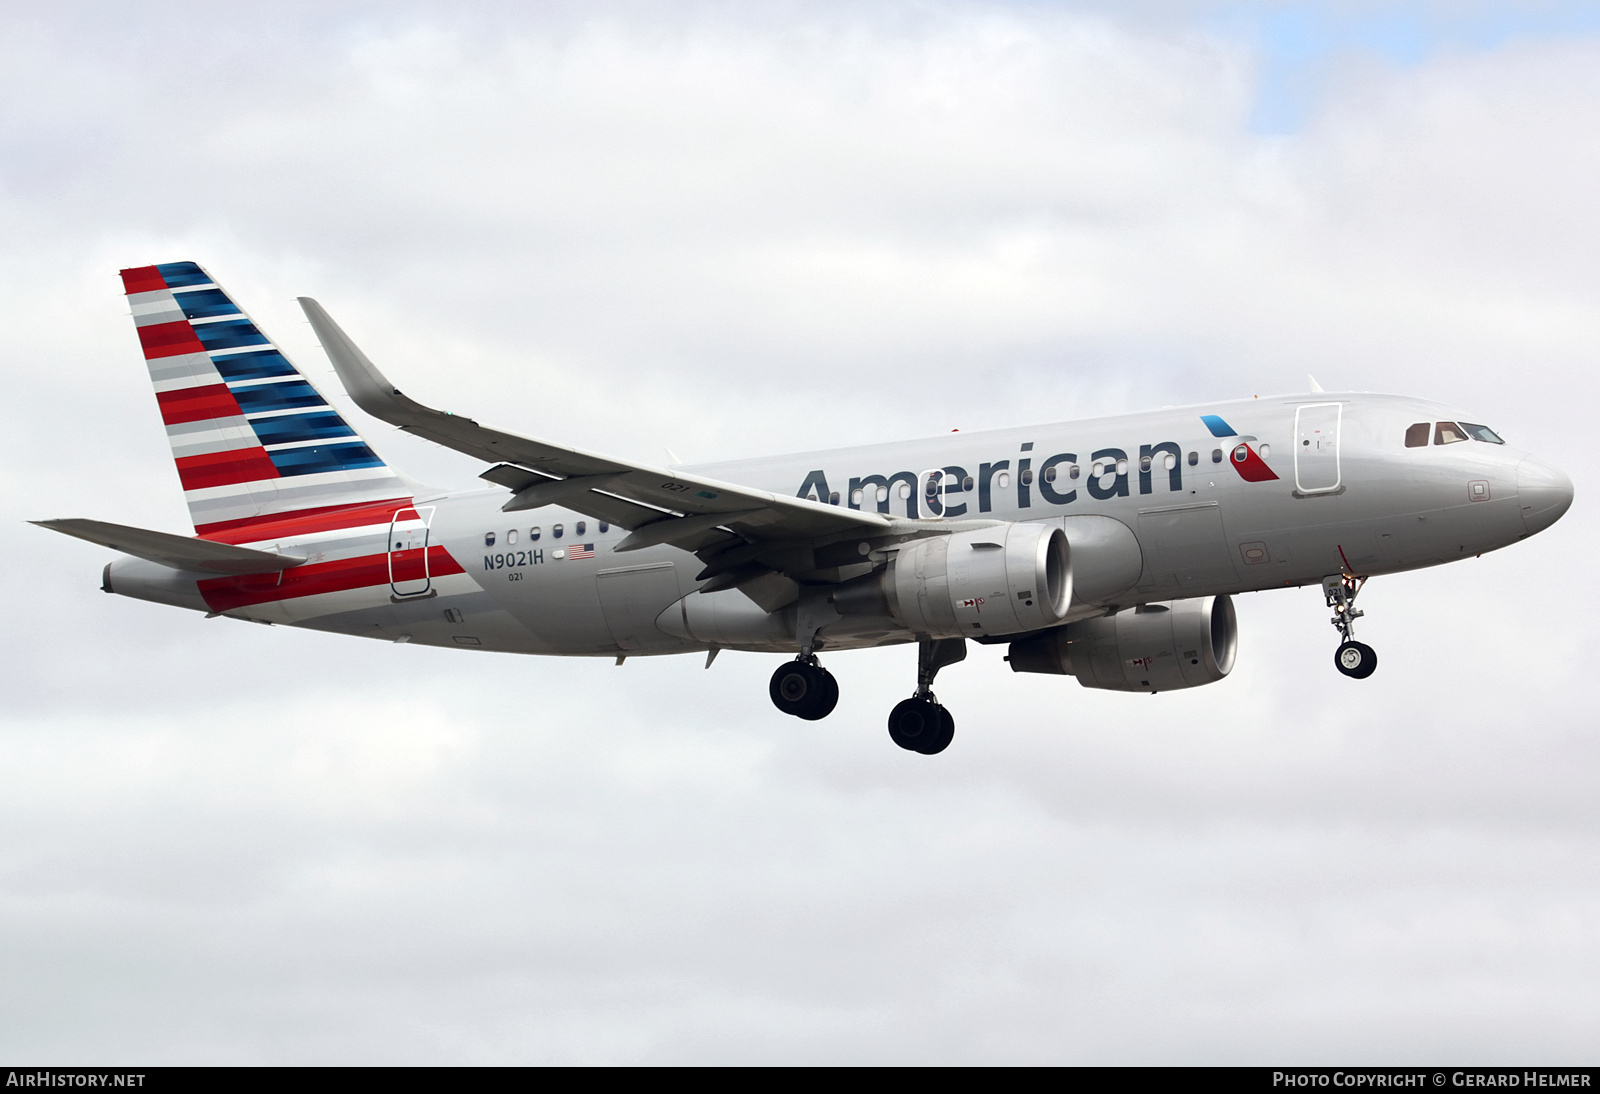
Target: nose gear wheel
x=1356 y=660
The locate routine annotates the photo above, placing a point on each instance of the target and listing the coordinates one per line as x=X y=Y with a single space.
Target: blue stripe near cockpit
x=1218 y=427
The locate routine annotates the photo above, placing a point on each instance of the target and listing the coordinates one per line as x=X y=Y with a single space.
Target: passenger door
x=1316 y=448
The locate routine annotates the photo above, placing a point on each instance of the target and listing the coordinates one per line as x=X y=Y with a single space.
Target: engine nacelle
x=991 y=581
x=1156 y=647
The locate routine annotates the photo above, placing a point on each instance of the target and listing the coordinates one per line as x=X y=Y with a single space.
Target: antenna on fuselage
x=1316 y=388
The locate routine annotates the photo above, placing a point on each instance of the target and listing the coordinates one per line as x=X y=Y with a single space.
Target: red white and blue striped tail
x=254 y=441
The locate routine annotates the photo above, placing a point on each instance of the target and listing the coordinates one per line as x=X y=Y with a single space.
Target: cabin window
x=1002 y=480
x=1072 y=472
x=1417 y=435
x=604 y=528
x=1241 y=453
x=1144 y=464
x=1194 y=459
x=1216 y=455
x=833 y=498
x=1482 y=433
x=855 y=497
x=1027 y=477
x=533 y=533
x=580 y=528
x=511 y=537
x=968 y=483
x=488 y=539
x=1049 y=474
x=1265 y=450
x=1122 y=467
x=556 y=530
x=1447 y=433
x=904 y=491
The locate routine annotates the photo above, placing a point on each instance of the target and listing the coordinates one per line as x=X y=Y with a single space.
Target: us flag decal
x=580 y=550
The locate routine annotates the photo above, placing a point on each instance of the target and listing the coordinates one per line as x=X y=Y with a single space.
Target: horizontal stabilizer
x=178 y=552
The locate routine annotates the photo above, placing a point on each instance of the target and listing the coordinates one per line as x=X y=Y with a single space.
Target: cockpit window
x=1417 y=435
x=1482 y=433
x=1448 y=433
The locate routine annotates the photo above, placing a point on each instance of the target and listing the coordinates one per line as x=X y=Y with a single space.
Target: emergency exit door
x=1316 y=447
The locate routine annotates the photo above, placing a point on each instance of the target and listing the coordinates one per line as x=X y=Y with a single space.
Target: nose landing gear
x=1355 y=659
x=804 y=689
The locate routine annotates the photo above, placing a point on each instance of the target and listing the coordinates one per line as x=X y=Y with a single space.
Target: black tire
x=921 y=725
x=827 y=696
x=946 y=734
x=1356 y=660
x=802 y=690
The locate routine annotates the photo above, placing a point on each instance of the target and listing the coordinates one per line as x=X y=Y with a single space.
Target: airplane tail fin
x=254 y=441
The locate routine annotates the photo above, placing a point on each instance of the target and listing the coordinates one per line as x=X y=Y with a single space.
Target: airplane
x=1107 y=550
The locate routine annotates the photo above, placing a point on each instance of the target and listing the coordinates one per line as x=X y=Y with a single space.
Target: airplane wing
x=178 y=552
x=655 y=504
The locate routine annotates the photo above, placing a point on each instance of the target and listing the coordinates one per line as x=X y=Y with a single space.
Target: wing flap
x=177 y=552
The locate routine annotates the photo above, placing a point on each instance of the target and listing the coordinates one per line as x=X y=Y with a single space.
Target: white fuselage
x=1335 y=490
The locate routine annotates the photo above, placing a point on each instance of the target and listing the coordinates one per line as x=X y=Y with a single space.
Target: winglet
x=362 y=381
x=1316 y=388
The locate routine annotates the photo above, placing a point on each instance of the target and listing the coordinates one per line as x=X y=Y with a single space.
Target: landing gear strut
x=804 y=688
x=920 y=723
x=1355 y=659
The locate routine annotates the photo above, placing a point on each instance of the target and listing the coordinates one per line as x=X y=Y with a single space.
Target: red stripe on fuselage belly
x=226 y=468
x=226 y=593
x=302 y=522
x=197 y=404
x=169 y=340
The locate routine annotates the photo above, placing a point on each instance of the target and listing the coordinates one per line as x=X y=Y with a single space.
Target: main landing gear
x=1355 y=659
x=804 y=689
x=921 y=723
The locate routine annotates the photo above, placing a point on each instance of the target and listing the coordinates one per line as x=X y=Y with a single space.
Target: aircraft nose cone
x=1546 y=494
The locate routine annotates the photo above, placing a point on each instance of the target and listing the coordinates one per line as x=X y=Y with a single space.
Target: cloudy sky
x=739 y=229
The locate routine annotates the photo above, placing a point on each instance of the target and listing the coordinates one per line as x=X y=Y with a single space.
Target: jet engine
x=1155 y=647
x=990 y=581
